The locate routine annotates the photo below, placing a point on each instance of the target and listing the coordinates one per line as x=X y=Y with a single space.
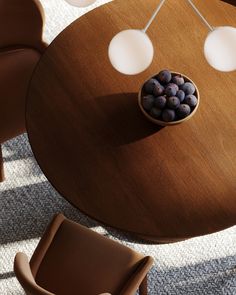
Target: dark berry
x=171 y=89
x=181 y=95
x=160 y=102
x=178 y=80
x=148 y=102
x=164 y=76
x=174 y=85
x=158 y=90
x=191 y=100
x=149 y=85
x=168 y=115
x=155 y=112
x=188 y=88
x=183 y=111
x=173 y=102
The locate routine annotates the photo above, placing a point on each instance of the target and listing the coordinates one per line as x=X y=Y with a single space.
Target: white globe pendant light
x=131 y=52
x=219 y=46
x=80 y=3
x=220 y=49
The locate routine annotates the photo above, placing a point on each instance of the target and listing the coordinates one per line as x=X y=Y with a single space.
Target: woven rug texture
x=203 y=265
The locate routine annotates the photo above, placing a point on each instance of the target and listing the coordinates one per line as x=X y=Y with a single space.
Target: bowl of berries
x=168 y=98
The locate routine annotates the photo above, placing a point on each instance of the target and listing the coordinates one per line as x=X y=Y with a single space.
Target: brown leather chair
x=72 y=259
x=21 y=45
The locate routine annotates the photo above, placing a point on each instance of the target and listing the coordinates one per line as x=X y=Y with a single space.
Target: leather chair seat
x=114 y=261
x=72 y=259
x=17 y=65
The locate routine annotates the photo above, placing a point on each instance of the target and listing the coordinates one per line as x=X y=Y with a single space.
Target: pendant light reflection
x=220 y=49
x=131 y=52
x=80 y=3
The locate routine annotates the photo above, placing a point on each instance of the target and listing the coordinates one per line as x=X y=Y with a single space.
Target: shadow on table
x=121 y=120
x=232 y=2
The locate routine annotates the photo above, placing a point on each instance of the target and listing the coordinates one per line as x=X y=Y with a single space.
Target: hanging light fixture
x=131 y=51
x=219 y=46
x=80 y=3
x=220 y=49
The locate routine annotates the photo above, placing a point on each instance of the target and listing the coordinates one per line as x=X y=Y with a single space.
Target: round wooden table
x=98 y=150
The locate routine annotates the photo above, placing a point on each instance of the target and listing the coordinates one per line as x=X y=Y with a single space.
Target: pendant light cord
x=200 y=15
x=153 y=16
x=194 y=8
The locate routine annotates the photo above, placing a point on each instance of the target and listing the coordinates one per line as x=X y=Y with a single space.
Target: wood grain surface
x=99 y=151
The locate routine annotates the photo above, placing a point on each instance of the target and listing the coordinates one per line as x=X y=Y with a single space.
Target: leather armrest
x=25 y=277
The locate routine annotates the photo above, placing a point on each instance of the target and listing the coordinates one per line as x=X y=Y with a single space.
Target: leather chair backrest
x=21 y=24
x=72 y=259
x=93 y=263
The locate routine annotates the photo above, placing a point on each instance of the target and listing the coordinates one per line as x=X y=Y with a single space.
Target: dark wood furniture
x=21 y=45
x=232 y=2
x=99 y=151
x=72 y=259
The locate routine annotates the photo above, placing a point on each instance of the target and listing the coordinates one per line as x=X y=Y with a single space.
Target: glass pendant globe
x=220 y=48
x=80 y=3
x=131 y=52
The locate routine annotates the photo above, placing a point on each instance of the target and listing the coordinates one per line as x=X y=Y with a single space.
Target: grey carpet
x=203 y=265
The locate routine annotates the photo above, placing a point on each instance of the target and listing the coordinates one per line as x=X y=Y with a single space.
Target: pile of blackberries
x=168 y=97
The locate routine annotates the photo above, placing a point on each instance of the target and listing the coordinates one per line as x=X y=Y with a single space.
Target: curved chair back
x=72 y=259
x=21 y=45
x=21 y=24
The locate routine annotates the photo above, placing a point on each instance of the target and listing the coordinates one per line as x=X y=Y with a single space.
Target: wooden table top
x=99 y=151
